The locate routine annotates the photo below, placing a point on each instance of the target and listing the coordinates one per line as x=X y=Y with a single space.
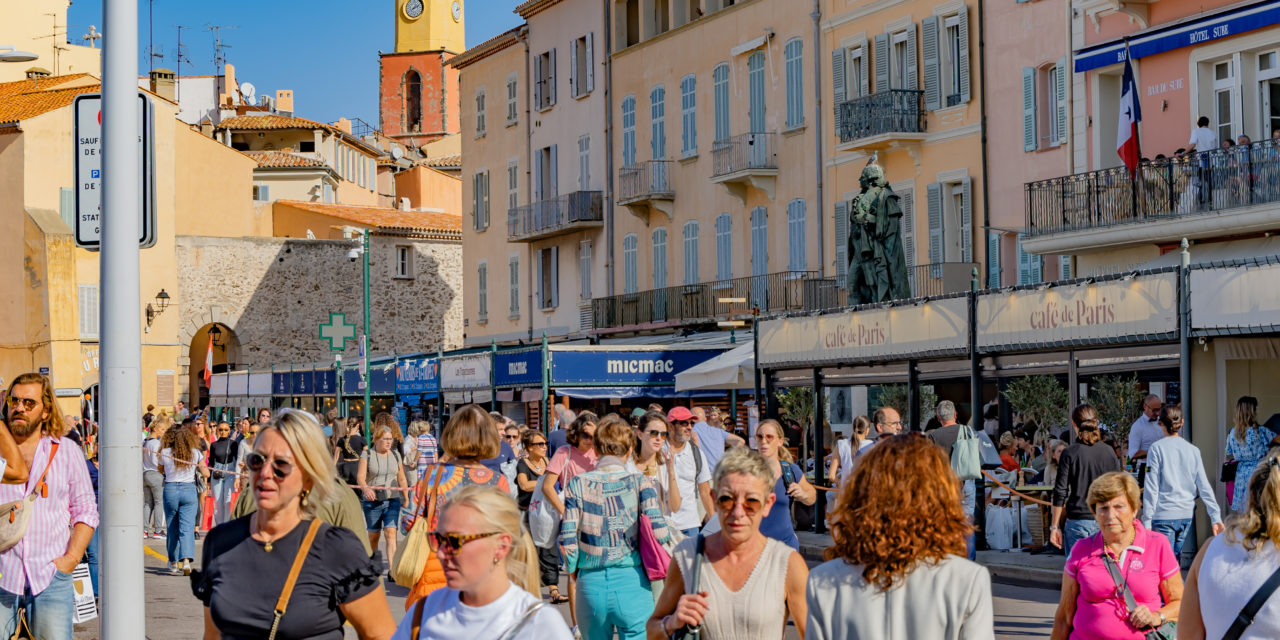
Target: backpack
x=966 y=455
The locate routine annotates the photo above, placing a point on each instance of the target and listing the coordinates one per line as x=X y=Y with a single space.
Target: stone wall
x=275 y=292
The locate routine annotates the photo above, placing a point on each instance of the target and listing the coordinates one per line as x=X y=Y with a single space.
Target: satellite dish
x=396 y=152
x=248 y=91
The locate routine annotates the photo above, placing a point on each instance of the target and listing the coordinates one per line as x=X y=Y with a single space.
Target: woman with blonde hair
x=466 y=440
x=381 y=466
x=247 y=560
x=180 y=459
x=491 y=576
x=789 y=483
x=1247 y=445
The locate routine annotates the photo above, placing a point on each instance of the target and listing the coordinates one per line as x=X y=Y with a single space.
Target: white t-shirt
x=1143 y=433
x=1204 y=138
x=175 y=473
x=686 y=517
x=150 y=454
x=444 y=616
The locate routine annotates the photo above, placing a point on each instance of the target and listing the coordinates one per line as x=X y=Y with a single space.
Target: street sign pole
x=123 y=609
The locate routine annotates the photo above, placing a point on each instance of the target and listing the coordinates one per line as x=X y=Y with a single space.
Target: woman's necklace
x=269 y=543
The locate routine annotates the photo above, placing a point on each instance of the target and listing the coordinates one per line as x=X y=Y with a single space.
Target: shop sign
x=303 y=382
x=866 y=334
x=1237 y=297
x=326 y=382
x=518 y=368
x=1079 y=313
x=620 y=368
x=280 y=384
x=420 y=375
x=465 y=372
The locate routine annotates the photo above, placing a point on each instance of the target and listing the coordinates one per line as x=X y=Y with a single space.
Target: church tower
x=418 y=96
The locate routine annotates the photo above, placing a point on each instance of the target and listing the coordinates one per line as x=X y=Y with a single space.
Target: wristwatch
x=1054 y=527
x=1162 y=620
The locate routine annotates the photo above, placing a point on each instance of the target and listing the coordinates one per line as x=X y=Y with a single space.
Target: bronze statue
x=877 y=266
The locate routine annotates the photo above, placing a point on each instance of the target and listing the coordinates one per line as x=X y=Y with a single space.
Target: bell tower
x=418 y=96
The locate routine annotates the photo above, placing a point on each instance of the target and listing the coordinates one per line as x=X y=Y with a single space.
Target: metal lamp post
x=364 y=361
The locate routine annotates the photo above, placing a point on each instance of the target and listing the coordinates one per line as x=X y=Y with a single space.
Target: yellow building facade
x=40 y=27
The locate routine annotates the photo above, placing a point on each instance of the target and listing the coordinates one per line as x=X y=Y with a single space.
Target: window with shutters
x=480 y=112
x=794 y=55
x=952 y=66
x=513 y=100
x=513 y=185
x=795 y=235
x=900 y=57
x=546 y=181
x=513 y=279
x=957 y=222
x=628 y=131
x=691 y=252
x=759 y=256
x=584 y=163
x=88 y=298
x=580 y=71
x=1064 y=267
x=630 y=267
x=659 y=237
x=994 y=259
x=482 y=291
x=907 y=226
x=548 y=277
x=841 y=213
x=1051 y=105
x=544 y=74
x=856 y=84
x=658 y=122
x=688 y=116
x=584 y=269
x=404 y=261
x=756 y=91
x=724 y=247
x=261 y=193
x=1029 y=265
x=720 y=91
x=480 y=199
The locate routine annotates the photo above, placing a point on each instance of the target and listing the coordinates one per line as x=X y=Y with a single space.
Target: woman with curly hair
x=886 y=575
x=180 y=459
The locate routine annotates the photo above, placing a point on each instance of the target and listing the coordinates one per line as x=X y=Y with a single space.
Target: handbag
x=14 y=527
x=966 y=455
x=686 y=632
x=1166 y=631
x=653 y=555
x=1251 y=608
x=283 y=602
x=1228 y=473
x=544 y=520
x=415 y=552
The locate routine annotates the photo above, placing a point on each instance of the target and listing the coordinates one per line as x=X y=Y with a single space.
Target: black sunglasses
x=654 y=433
x=540 y=443
x=279 y=468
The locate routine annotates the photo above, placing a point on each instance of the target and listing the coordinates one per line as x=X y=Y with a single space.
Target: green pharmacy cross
x=337 y=331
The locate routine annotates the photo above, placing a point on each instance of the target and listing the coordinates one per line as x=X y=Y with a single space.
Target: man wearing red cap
x=693 y=473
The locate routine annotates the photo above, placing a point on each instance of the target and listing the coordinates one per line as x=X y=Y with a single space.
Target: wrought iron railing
x=892 y=111
x=651 y=179
x=1167 y=188
x=774 y=292
x=743 y=152
x=548 y=217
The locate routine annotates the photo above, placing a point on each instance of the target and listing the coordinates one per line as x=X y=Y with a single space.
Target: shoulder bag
x=686 y=632
x=283 y=602
x=1251 y=608
x=1166 y=631
x=653 y=555
x=415 y=551
x=966 y=456
x=14 y=527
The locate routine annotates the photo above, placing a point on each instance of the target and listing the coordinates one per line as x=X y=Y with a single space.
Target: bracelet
x=664 y=625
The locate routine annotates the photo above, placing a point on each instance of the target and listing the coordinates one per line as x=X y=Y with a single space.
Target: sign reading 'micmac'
x=867 y=334
x=1079 y=313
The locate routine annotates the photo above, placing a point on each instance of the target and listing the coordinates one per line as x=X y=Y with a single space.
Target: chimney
x=284 y=102
x=344 y=125
x=164 y=83
x=404 y=204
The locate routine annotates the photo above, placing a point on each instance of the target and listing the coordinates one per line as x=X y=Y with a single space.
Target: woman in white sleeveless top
x=747 y=583
x=1231 y=568
x=848 y=450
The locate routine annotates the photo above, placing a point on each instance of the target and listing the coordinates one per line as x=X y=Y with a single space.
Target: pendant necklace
x=268 y=544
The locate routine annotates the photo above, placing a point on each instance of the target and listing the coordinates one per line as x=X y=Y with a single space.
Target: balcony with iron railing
x=645 y=186
x=1197 y=195
x=692 y=303
x=747 y=160
x=556 y=216
x=883 y=118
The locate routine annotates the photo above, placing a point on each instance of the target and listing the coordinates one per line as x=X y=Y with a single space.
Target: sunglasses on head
x=279 y=468
x=751 y=506
x=453 y=542
x=654 y=433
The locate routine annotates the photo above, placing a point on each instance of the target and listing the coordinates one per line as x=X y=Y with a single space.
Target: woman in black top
x=1078 y=466
x=528 y=470
x=246 y=561
x=346 y=455
x=222 y=465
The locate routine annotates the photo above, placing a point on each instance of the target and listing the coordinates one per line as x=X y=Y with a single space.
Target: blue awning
x=624 y=393
x=1223 y=24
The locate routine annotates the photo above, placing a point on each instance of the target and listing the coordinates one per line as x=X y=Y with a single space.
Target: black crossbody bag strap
x=1114 y=570
x=1251 y=608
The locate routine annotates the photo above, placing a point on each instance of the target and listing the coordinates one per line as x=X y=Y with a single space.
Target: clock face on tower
x=413 y=8
x=457 y=11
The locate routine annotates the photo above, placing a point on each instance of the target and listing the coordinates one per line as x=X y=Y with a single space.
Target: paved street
x=173 y=614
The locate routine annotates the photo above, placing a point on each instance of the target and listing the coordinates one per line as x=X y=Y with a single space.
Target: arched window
x=412 y=92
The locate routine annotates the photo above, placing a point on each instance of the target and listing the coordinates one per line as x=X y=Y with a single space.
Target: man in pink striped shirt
x=36 y=573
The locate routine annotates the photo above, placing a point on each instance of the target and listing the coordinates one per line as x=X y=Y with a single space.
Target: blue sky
x=324 y=50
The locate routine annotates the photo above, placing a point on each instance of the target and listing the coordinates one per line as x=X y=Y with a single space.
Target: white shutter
x=1029 y=138
x=591 y=62
x=882 y=62
x=966 y=220
x=89 y=314
x=573 y=68
x=67 y=205
x=839 y=91
x=908 y=201
x=555 y=172
x=584 y=269
x=555 y=276
x=551 y=79
x=1064 y=267
x=537 y=82
x=932 y=66
x=1061 y=100
x=513 y=266
x=842 y=242
x=993 y=259
x=913 y=73
x=485 y=186
x=482 y=291
x=864 y=69
x=934 y=195
x=539 y=286
x=963 y=30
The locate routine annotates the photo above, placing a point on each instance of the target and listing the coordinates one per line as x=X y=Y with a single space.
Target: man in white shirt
x=693 y=473
x=1146 y=429
x=1203 y=138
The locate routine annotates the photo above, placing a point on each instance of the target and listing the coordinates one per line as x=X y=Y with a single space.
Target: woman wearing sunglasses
x=488 y=562
x=528 y=470
x=789 y=483
x=657 y=467
x=748 y=583
x=246 y=561
x=380 y=466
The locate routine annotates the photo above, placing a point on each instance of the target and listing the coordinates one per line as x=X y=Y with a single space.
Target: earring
x=495 y=560
x=305 y=493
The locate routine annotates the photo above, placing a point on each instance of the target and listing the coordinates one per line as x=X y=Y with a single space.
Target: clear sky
x=325 y=50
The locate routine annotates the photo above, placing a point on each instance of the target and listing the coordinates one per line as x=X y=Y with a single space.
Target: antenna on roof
x=179 y=57
x=58 y=47
x=219 y=59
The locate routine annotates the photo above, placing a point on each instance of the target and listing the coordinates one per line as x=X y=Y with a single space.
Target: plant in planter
x=1042 y=399
x=1119 y=402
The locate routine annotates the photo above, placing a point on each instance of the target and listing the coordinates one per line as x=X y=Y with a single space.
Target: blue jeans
x=1074 y=531
x=91 y=559
x=48 y=612
x=223 y=485
x=180 y=509
x=1174 y=530
x=614 y=598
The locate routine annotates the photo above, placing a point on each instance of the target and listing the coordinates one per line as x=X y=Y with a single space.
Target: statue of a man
x=877 y=265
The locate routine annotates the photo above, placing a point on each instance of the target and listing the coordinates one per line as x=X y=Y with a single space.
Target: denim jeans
x=614 y=598
x=48 y=612
x=91 y=558
x=223 y=485
x=1074 y=531
x=153 y=502
x=180 y=508
x=1174 y=530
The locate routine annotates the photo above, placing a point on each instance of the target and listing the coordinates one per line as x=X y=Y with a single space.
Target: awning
x=733 y=369
x=1196 y=30
x=1219 y=252
x=624 y=393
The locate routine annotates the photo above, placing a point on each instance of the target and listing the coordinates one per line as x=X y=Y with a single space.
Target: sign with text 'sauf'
x=88 y=172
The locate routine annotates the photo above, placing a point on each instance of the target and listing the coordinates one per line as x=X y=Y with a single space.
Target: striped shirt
x=426 y=451
x=71 y=499
x=601 y=513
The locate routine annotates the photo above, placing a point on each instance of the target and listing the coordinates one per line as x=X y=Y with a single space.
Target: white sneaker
x=186 y=567
x=577 y=634
x=175 y=568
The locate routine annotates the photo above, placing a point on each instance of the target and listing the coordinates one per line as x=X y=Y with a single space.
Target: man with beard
x=35 y=574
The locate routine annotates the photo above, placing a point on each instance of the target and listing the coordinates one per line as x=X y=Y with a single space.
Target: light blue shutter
x=551 y=78
x=482 y=288
x=932 y=66
x=759 y=242
x=1024 y=264
x=720 y=80
x=660 y=258
x=882 y=62
x=724 y=247
x=628 y=131
x=1060 y=100
x=993 y=259
x=658 y=115
x=629 y=248
x=67 y=205
x=553 y=182
x=966 y=220
x=1064 y=267
x=539 y=284
x=908 y=228
x=912 y=81
x=555 y=276
x=934 y=195
x=691 y=252
x=839 y=92
x=513 y=267
x=795 y=82
x=755 y=75
x=1029 y=138
x=963 y=30
x=688 y=116
x=842 y=241
x=795 y=235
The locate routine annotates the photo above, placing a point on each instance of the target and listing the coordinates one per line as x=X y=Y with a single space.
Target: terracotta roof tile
x=25 y=99
x=450 y=161
x=384 y=217
x=283 y=159
x=256 y=123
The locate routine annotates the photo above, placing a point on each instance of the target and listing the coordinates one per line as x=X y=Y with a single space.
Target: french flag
x=1130 y=115
x=208 y=365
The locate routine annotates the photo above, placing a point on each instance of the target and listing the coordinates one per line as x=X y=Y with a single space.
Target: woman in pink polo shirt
x=1093 y=606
